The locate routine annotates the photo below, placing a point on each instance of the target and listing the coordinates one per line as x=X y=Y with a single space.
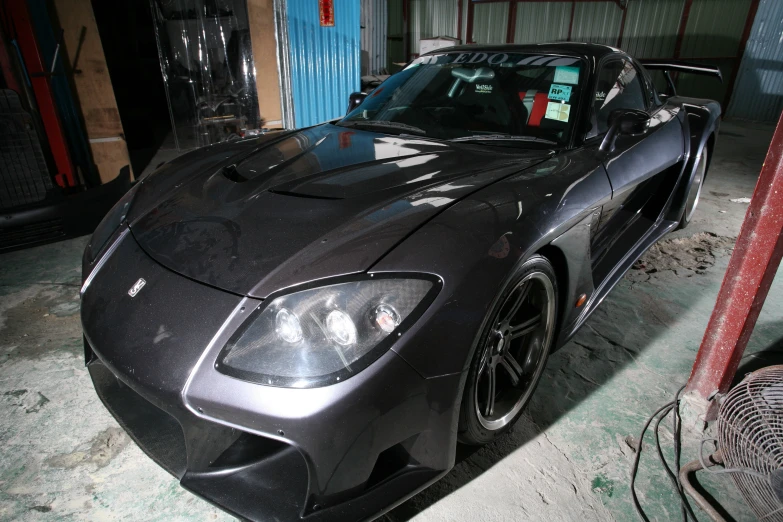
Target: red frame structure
x=22 y=30
x=752 y=268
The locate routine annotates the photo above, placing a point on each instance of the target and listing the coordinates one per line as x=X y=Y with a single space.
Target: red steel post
x=37 y=70
x=512 y=21
x=686 y=13
x=469 y=27
x=749 y=275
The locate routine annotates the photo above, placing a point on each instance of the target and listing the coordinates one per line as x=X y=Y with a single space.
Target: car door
x=637 y=165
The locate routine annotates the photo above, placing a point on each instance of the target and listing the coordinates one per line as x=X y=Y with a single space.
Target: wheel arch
x=557 y=258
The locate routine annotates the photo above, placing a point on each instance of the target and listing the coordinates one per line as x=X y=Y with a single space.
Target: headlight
x=324 y=335
x=110 y=223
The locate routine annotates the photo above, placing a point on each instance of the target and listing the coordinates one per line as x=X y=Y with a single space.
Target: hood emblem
x=136 y=288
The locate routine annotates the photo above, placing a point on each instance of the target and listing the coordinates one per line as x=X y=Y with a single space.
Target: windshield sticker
x=560 y=92
x=564 y=74
x=483 y=88
x=600 y=96
x=557 y=111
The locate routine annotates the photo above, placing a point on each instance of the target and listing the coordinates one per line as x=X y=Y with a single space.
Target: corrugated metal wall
x=430 y=18
x=374 y=34
x=597 y=22
x=324 y=61
x=713 y=36
x=651 y=28
x=758 y=93
x=490 y=21
x=542 y=21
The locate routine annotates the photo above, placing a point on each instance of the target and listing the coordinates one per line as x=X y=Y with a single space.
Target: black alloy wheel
x=511 y=354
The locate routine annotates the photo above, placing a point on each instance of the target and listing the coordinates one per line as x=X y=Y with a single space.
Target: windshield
x=478 y=95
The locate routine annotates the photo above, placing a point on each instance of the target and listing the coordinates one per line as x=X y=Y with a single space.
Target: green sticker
x=565 y=74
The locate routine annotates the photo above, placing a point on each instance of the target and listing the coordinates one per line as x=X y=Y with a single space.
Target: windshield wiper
x=381 y=124
x=504 y=137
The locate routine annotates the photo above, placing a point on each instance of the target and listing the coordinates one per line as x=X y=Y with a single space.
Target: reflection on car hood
x=257 y=216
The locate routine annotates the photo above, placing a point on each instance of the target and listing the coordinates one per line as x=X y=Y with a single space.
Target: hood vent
x=231 y=173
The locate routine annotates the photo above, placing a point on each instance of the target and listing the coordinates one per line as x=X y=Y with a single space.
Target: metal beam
x=512 y=22
x=469 y=27
x=459 y=21
x=686 y=13
x=622 y=25
x=571 y=21
x=751 y=269
x=754 y=7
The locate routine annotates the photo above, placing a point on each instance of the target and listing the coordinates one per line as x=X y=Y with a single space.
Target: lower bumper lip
x=260 y=478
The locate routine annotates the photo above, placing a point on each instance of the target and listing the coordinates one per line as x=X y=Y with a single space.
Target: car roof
x=589 y=50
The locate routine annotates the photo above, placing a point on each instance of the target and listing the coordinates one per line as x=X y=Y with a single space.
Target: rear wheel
x=511 y=353
x=694 y=191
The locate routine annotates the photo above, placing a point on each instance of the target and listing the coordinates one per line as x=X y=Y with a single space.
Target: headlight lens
x=110 y=223
x=324 y=335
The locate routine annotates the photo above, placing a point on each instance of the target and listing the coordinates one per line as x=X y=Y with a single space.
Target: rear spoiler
x=668 y=66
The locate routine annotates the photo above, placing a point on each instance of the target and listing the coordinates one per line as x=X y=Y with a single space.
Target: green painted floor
x=62 y=456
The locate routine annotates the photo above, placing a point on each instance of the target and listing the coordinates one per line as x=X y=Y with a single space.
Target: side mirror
x=354 y=100
x=630 y=122
x=624 y=122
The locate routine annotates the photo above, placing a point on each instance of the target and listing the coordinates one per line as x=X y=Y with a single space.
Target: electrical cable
x=663 y=411
x=635 y=468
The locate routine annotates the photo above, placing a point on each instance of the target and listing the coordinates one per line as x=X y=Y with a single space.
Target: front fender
x=476 y=245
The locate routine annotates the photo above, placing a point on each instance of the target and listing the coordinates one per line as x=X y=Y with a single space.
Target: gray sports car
x=305 y=324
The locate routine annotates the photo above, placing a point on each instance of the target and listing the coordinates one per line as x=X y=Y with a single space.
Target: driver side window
x=618 y=87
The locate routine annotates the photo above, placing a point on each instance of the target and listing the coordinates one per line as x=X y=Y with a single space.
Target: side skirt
x=642 y=245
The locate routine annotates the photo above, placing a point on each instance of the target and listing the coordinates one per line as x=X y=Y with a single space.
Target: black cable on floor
x=663 y=411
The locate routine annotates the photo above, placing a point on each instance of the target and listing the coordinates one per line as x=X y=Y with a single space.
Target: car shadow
x=601 y=349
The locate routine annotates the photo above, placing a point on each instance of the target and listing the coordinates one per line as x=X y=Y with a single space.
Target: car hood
x=257 y=216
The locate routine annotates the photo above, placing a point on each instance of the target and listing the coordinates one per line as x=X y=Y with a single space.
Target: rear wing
x=669 y=66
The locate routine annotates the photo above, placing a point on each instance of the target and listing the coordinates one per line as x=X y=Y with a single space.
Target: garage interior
x=96 y=94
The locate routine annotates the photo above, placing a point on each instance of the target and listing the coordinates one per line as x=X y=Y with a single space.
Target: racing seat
x=535 y=102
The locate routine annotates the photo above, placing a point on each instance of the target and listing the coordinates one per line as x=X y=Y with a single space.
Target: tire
x=511 y=353
x=694 y=190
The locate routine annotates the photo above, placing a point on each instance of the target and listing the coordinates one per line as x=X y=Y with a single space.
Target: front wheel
x=511 y=353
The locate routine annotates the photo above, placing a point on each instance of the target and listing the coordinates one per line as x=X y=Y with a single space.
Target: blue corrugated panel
x=758 y=93
x=324 y=60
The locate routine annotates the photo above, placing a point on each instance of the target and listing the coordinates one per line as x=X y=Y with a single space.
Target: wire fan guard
x=750 y=435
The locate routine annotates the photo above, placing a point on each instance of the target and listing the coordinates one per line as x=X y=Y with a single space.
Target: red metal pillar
x=469 y=26
x=621 y=33
x=512 y=21
x=39 y=78
x=686 y=13
x=459 y=21
x=745 y=286
x=571 y=20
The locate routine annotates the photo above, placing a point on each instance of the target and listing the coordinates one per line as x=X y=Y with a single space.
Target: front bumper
x=343 y=452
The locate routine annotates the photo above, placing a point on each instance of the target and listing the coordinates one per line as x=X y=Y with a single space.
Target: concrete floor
x=63 y=457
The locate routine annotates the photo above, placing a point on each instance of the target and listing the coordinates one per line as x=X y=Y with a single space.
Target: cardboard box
x=439 y=42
